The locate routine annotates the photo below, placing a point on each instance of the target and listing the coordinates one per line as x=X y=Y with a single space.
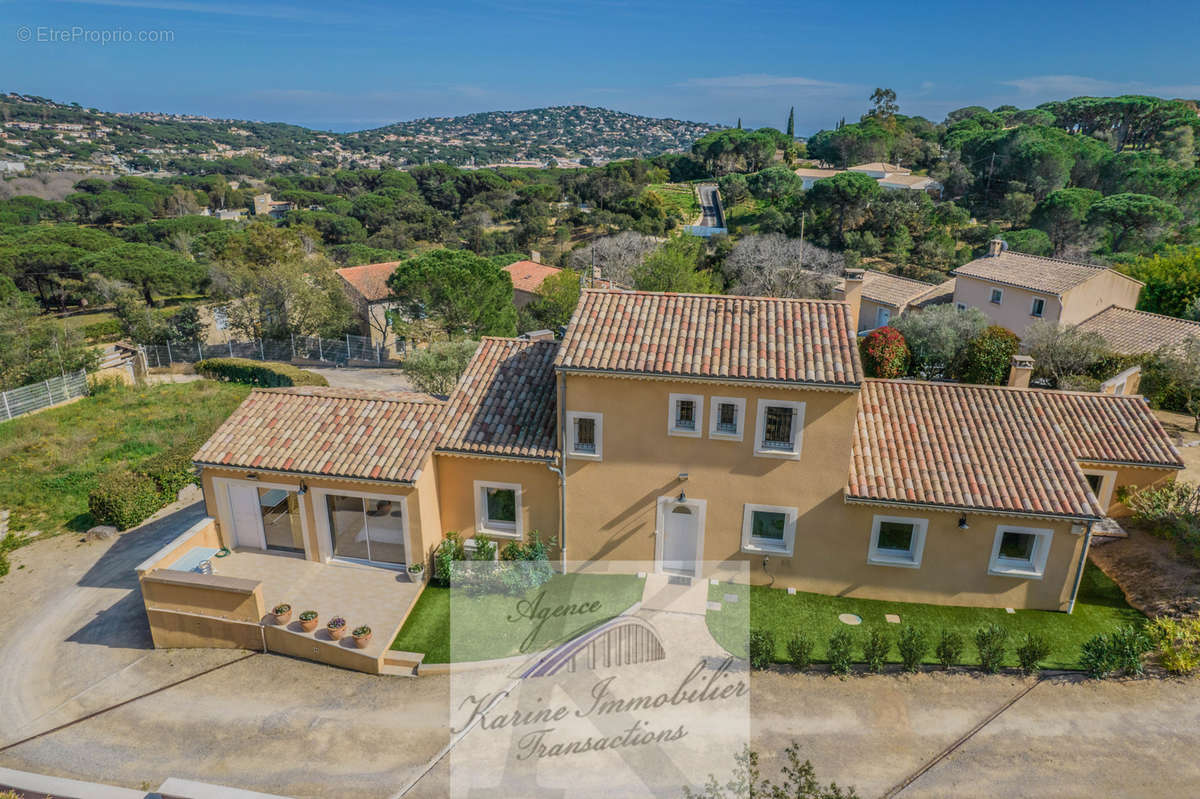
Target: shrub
x=7 y=544
x=761 y=646
x=884 y=353
x=1170 y=511
x=841 y=651
x=1032 y=651
x=800 y=650
x=949 y=648
x=108 y=330
x=437 y=368
x=257 y=373
x=988 y=357
x=450 y=550
x=990 y=641
x=124 y=499
x=171 y=470
x=1177 y=642
x=1096 y=657
x=913 y=645
x=876 y=649
x=485 y=548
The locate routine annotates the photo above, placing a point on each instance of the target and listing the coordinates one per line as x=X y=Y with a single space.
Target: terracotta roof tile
x=712 y=336
x=883 y=288
x=375 y=435
x=528 y=276
x=370 y=280
x=1130 y=332
x=997 y=449
x=504 y=404
x=1051 y=275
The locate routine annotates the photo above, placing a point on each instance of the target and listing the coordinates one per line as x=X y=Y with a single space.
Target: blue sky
x=348 y=64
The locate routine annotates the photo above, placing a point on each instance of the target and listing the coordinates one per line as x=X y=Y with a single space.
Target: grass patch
x=487 y=631
x=679 y=198
x=1100 y=608
x=49 y=461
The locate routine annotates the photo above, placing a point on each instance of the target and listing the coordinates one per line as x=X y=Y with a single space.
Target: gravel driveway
x=74 y=641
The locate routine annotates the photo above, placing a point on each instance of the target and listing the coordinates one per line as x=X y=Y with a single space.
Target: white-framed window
x=960 y=306
x=769 y=528
x=684 y=414
x=882 y=316
x=1020 y=552
x=779 y=429
x=897 y=541
x=727 y=418
x=585 y=435
x=1102 y=482
x=498 y=509
x=997 y=296
x=1037 y=307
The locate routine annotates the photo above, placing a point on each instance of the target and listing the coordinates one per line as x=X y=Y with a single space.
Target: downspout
x=1087 y=543
x=561 y=471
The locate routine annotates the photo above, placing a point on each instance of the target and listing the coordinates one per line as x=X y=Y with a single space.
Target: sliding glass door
x=367 y=528
x=282 y=529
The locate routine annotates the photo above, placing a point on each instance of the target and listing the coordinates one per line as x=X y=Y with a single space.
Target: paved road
x=710 y=208
x=375 y=379
x=74 y=641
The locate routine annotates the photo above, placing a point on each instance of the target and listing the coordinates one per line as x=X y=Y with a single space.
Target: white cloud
x=762 y=81
x=1064 y=86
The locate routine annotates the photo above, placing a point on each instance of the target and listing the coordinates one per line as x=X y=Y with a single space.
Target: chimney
x=535 y=256
x=1020 y=372
x=995 y=247
x=853 y=295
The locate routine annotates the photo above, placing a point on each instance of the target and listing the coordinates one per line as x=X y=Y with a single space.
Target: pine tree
x=739 y=123
x=791 y=125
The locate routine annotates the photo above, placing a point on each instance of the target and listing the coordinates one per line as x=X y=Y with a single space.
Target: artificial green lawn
x=1100 y=608
x=49 y=461
x=484 y=630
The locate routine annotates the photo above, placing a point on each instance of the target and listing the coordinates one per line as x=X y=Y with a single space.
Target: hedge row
x=125 y=498
x=257 y=373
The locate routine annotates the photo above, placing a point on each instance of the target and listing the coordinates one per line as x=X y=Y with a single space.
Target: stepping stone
x=1009 y=610
x=713 y=605
x=791 y=592
x=892 y=618
x=731 y=597
x=850 y=618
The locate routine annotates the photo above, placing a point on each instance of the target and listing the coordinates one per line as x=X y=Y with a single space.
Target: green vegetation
x=51 y=461
x=483 y=621
x=1099 y=609
x=257 y=373
x=678 y=198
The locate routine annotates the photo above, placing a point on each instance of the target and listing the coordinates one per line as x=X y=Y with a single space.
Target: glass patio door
x=365 y=528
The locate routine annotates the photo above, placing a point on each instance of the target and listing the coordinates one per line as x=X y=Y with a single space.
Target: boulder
x=101 y=532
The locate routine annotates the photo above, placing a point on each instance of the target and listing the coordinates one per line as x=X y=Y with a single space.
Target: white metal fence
x=36 y=396
x=298 y=348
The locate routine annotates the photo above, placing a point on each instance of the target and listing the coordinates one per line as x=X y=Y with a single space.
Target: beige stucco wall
x=1013 y=311
x=1130 y=477
x=456 y=476
x=1090 y=298
x=611 y=505
x=423 y=523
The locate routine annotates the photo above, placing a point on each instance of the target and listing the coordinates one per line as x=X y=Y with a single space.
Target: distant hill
x=69 y=136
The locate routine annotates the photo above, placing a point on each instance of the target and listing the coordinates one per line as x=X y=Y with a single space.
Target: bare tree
x=616 y=255
x=773 y=265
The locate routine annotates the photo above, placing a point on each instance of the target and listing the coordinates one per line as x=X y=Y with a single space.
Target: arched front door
x=681 y=535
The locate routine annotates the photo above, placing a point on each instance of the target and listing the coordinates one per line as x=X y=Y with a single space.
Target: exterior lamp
x=962 y=523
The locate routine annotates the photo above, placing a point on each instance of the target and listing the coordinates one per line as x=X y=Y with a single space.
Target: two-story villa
x=682 y=429
x=1016 y=289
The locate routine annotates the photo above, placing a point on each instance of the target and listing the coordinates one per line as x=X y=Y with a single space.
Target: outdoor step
x=400 y=659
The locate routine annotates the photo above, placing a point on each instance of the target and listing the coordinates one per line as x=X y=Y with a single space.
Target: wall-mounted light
x=683 y=476
x=682 y=497
x=303 y=489
x=962 y=523
x=251 y=475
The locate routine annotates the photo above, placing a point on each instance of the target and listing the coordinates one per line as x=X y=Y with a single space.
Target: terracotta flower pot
x=309 y=625
x=283 y=618
x=336 y=633
x=361 y=641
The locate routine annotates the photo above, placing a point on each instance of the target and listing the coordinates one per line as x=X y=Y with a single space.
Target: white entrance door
x=681 y=539
x=246 y=512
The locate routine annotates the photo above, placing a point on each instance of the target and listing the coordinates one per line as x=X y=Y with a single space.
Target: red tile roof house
x=528 y=277
x=679 y=430
x=368 y=291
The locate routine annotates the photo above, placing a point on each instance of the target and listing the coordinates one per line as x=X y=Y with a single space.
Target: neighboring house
x=527 y=278
x=681 y=429
x=889 y=176
x=265 y=206
x=1015 y=289
x=1130 y=332
x=372 y=298
x=886 y=296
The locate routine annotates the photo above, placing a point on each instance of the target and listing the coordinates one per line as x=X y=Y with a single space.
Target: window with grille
x=777 y=433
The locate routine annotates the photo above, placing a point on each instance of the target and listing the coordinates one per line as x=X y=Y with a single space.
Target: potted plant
x=336 y=627
x=362 y=636
x=282 y=613
x=308 y=621
x=415 y=569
